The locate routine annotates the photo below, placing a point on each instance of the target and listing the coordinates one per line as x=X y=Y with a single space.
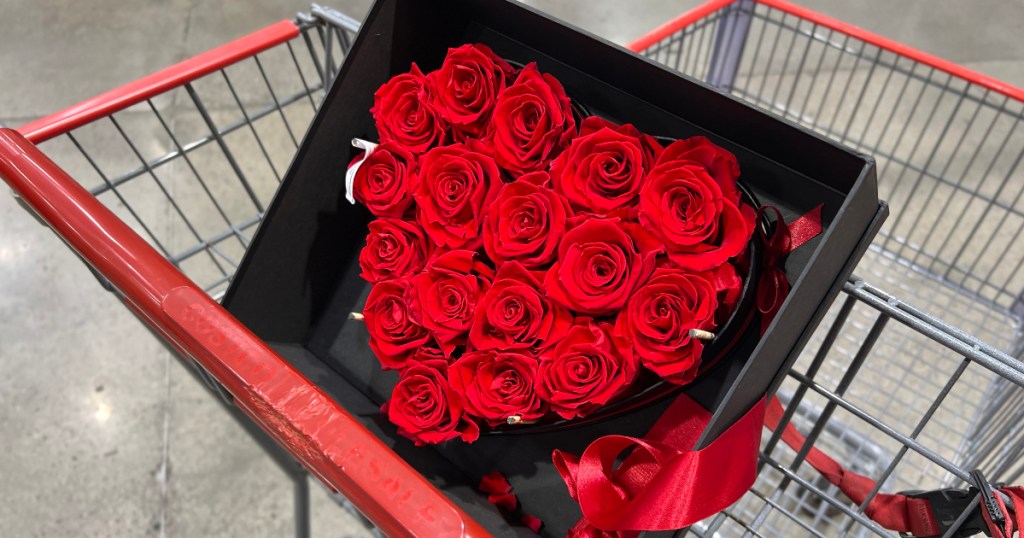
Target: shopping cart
x=913 y=378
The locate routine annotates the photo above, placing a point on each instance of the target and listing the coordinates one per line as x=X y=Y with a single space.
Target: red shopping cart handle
x=331 y=443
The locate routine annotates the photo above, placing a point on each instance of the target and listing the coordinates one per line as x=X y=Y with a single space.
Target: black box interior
x=300 y=277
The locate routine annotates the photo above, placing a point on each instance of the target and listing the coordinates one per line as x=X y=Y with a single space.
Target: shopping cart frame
x=725 y=67
x=281 y=408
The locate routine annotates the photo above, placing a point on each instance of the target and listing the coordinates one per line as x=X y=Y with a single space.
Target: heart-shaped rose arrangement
x=529 y=266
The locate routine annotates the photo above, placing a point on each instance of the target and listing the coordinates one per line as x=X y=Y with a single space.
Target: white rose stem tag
x=350 y=174
x=350 y=179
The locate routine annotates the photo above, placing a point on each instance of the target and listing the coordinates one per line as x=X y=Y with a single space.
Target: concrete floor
x=104 y=433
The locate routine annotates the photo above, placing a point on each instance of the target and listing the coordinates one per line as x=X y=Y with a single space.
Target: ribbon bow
x=646 y=491
x=773 y=287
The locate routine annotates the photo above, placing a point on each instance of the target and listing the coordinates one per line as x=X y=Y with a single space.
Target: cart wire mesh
x=884 y=385
x=193 y=170
x=887 y=388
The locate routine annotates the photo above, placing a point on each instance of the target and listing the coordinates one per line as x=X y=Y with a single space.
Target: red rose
x=429 y=352
x=383 y=182
x=719 y=162
x=394 y=334
x=532 y=122
x=684 y=207
x=456 y=184
x=585 y=370
x=447 y=292
x=659 y=316
x=652 y=148
x=526 y=222
x=404 y=113
x=515 y=314
x=604 y=167
x=600 y=263
x=426 y=409
x=466 y=88
x=394 y=248
x=496 y=385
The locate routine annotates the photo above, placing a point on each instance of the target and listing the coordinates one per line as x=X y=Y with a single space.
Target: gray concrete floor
x=103 y=433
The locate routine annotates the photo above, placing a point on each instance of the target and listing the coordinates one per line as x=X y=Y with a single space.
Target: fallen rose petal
x=507 y=501
x=532 y=522
x=494 y=483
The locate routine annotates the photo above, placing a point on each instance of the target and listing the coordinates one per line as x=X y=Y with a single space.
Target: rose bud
x=383 y=182
x=447 y=293
x=603 y=168
x=515 y=314
x=526 y=222
x=394 y=334
x=426 y=409
x=585 y=370
x=394 y=248
x=658 y=318
x=456 y=185
x=405 y=115
x=684 y=207
x=719 y=162
x=496 y=385
x=532 y=122
x=466 y=88
x=600 y=263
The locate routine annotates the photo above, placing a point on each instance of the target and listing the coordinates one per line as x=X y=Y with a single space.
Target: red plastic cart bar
x=706 y=9
x=328 y=441
x=677 y=24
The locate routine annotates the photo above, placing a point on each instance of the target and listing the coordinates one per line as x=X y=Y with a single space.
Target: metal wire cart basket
x=914 y=378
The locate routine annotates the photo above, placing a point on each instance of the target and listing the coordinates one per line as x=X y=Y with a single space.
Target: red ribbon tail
x=771 y=293
x=894 y=512
x=568 y=466
x=663 y=484
x=773 y=287
x=805 y=228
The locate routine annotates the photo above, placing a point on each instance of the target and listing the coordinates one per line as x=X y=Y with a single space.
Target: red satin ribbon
x=663 y=484
x=773 y=286
x=893 y=511
x=641 y=493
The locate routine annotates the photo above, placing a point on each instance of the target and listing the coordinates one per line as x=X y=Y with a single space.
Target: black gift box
x=300 y=277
